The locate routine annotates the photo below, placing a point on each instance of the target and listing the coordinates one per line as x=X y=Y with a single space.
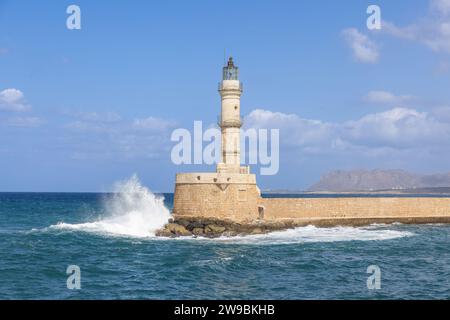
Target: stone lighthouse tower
x=230 y=89
x=231 y=191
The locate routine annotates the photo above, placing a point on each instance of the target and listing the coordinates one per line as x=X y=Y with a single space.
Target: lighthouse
x=230 y=122
x=230 y=192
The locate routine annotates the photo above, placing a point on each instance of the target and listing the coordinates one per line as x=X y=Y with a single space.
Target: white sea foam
x=133 y=210
x=311 y=234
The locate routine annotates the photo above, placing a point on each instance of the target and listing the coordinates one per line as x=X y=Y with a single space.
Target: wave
x=311 y=234
x=133 y=210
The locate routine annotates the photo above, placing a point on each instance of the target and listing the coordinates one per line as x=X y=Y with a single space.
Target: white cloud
x=92 y=116
x=443 y=67
x=112 y=122
x=85 y=126
x=13 y=100
x=296 y=130
x=120 y=140
x=153 y=124
x=26 y=122
x=385 y=97
x=435 y=34
x=395 y=129
x=441 y=7
x=364 y=49
x=432 y=31
x=442 y=113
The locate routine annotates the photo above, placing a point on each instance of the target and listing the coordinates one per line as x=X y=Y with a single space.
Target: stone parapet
x=215 y=178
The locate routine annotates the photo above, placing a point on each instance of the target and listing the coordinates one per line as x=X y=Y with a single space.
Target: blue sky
x=80 y=109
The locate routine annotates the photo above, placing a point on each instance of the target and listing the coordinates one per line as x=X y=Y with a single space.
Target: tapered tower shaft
x=230 y=122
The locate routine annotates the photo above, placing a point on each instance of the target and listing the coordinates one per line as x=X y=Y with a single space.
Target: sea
x=102 y=246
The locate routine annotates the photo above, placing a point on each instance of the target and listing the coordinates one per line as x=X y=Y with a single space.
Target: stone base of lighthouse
x=228 y=196
x=215 y=204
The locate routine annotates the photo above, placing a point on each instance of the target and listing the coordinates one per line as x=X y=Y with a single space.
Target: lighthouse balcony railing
x=230 y=123
x=241 y=86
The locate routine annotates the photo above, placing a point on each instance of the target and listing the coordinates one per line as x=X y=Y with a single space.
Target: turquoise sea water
x=110 y=238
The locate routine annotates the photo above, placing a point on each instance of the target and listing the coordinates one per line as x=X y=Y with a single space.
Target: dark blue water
x=307 y=263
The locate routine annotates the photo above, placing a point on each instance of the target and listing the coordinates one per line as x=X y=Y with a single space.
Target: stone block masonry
x=241 y=202
x=214 y=195
x=358 y=210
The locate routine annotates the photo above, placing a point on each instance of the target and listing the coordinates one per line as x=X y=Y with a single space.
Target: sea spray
x=312 y=234
x=131 y=210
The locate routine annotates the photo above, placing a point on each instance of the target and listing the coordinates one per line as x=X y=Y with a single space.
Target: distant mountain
x=372 y=180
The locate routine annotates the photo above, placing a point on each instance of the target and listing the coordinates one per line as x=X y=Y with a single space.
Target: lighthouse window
x=235 y=107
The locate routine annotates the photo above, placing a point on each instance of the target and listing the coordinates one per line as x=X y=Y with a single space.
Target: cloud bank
x=397 y=128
